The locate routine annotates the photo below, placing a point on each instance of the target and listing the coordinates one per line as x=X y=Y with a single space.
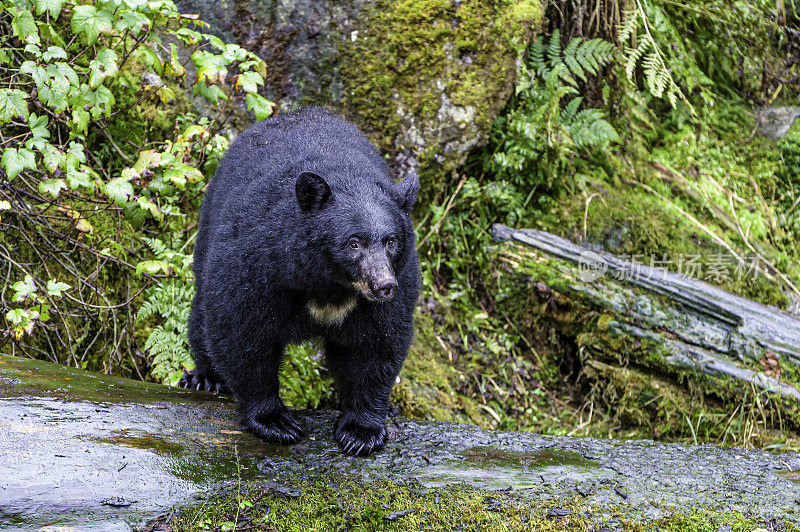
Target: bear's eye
x=353 y=244
x=391 y=242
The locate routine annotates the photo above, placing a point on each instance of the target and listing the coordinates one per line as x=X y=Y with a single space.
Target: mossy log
x=662 y=322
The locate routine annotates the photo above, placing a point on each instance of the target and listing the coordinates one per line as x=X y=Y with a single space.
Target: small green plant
x=168 y=303
x=538 y=140
x=33 y=304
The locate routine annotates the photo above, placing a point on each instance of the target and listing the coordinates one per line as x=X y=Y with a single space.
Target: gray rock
x=424 y=82
x=774 y=122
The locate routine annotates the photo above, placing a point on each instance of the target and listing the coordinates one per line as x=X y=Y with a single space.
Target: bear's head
x=365 y=229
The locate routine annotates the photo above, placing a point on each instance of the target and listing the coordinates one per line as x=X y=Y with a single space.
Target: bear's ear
x=407 y=190
x=312 y=191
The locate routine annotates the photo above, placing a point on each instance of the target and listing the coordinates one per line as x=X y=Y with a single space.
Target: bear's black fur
x=304 y=234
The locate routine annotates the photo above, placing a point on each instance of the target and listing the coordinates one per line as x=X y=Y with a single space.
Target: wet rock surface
x=103 y=453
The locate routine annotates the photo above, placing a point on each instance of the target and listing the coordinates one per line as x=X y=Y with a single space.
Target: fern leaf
x=633 y=56
x=538 y=61
x=554 y=48
x=630 y=19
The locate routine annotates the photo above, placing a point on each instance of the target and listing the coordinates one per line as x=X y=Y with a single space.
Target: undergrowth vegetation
x=103 y=163
x=631 y=130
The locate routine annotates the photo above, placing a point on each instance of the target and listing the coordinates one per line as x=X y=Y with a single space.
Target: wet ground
x=102 y=453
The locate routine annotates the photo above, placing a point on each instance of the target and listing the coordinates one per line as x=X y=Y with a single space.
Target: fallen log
x=650 y=317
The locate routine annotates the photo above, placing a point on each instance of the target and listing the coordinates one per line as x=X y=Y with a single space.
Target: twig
x=447 y=208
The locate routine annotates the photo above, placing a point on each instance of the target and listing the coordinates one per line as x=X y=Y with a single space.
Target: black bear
x=304 y=234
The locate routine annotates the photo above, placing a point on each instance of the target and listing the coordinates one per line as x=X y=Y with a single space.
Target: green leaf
x=78 y=150
x=99 y=101
x=15 y=161
x=90 y=22
x=80 y=120
x=119 y=190
x=211 y=93
x=102 y=66
x=216 y=42
x=52 y=156
x=12 y=105
x=24 y=27
x=33 y=49
x=190 y=37
x=259 y=105
x=52 y=186
x=152 y=267
x=65 y=70
x=5 y=205
x=80 y=178
x=39 y=74
x=38 y=125
x=146 y=55
x=55 y=288
x=35 y=143
x=147 y=159
x=131 y=20
x=17 y=316
x=174 y=68
x=249 y=82
x=24 y=289
x=53 y=7
x=210 y=67
x=150 y=207
x=43 y=310
x=129 y=173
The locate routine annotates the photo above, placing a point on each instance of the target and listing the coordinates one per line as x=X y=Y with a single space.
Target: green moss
x=430 y=383
x=335 y=504
x=418 y=60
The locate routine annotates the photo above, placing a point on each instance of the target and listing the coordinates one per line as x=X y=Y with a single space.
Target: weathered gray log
x=687 y=323
x=94 y=452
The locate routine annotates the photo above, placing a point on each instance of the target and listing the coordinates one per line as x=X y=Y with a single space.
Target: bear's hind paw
x=200 y=381
x=358 y=440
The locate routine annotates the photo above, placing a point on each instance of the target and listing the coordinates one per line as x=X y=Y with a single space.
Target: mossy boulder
x=424 y=79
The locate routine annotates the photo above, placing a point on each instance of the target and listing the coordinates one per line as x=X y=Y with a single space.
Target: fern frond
x=537 y=56
x=571 y=109
x=593 y=53
x=630 y=19
x=632 y=57
x=554 y=48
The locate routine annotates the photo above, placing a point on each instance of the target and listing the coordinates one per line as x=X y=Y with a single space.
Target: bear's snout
x=385 y=288
x=377 y=281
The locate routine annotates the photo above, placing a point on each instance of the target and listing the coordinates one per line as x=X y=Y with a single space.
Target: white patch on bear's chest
x=330 y=314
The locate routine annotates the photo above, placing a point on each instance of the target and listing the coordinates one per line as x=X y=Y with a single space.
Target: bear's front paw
x=357 y=439
x=275 y=426
x=200 y=381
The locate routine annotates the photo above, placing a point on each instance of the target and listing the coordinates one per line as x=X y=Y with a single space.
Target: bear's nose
x=385 y=288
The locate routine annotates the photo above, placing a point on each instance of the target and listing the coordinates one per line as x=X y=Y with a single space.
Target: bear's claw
x=277 y=426
x=358 y=440
x=199 y=381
